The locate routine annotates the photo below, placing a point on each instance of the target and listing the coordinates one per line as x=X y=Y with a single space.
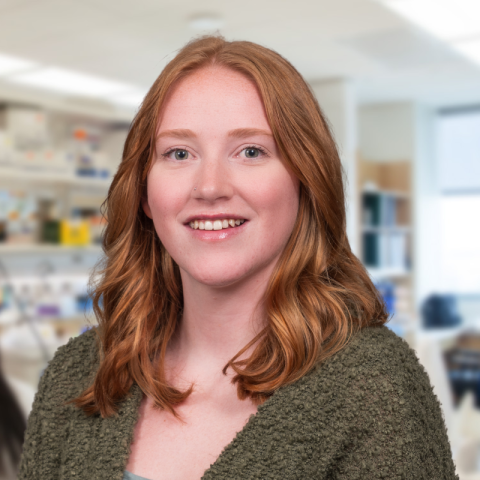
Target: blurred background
x=399 y=81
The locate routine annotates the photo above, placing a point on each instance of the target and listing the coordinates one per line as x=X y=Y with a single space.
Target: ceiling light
x=471 y=7
x=471 y=49
x=70 y=82
x=206 y=22
x=10 y=64
x=130 y=99
x=445 y=19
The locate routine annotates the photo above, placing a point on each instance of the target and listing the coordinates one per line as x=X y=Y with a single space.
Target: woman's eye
x=180 y=154
x=176 y=154
x=253 y=152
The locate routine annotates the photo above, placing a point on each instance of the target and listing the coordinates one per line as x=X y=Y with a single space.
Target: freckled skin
x=223 y=279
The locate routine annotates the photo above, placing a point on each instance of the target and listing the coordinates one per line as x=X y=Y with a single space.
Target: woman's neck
x=218 y=322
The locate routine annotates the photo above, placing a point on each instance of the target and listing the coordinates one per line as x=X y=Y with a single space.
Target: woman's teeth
x=215 y=224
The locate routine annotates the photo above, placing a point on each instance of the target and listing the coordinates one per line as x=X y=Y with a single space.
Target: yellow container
x=74 y=232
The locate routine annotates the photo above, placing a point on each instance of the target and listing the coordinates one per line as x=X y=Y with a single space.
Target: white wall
x=426 y=213
x=338 y=102
x=386 y=132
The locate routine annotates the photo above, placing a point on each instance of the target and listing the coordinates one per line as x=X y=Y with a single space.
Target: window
x=458 y=149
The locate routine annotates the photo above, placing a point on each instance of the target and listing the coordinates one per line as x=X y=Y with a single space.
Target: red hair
x=319 y=294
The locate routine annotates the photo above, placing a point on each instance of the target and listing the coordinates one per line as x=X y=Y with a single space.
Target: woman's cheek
x=280 y=195
x=166 y=198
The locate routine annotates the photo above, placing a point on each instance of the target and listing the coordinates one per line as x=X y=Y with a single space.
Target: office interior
x=399 y=81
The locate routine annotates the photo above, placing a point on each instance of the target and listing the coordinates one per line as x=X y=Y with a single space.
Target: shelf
x=393 y=193
x=46 y=249
x=45 y=176
x=391 y=229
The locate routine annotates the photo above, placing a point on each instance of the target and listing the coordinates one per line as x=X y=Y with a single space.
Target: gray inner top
x=131 y=476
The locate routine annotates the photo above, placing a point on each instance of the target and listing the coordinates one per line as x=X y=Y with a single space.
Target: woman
x=238 y=335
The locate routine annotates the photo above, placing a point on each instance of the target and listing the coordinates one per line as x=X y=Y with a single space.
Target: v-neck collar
x=134 y=400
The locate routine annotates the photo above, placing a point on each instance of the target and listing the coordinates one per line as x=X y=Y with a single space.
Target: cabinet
x=385 y=230
x=385 y=233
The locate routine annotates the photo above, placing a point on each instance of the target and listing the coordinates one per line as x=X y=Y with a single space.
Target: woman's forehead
x=212 y=95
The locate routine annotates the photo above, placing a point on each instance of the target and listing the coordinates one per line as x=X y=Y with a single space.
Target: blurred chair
x=467 y=457
x=430 y=356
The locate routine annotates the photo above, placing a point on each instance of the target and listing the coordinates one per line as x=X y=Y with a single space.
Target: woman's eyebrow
x=177 y=133
x=237 y=133
x=248 y=132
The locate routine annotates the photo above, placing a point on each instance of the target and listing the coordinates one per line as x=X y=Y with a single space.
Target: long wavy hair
x=319 y=294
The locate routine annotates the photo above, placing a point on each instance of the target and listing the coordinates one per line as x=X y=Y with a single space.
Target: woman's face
x=217 y=165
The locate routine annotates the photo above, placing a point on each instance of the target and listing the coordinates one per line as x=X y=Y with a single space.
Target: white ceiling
x=132 y=40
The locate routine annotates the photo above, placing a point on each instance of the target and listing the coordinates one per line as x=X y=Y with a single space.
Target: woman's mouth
x=215 y=224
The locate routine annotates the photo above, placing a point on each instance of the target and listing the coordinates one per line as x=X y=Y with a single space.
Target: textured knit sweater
x=368 y=412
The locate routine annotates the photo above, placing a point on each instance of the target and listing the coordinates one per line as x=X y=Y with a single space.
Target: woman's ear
x=146 y=206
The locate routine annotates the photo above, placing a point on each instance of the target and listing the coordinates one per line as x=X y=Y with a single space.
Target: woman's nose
x=213 y=181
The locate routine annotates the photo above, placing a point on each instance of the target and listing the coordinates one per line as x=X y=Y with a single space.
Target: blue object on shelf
x=86 y=172
x=440 y=311
x=84 y=303
x=387 y=291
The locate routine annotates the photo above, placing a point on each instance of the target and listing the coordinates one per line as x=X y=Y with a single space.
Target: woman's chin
x=218 y=276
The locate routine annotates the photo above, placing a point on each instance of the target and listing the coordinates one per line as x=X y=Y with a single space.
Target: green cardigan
x=368 y=412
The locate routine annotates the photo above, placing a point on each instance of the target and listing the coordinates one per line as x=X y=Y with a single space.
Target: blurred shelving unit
x=385 y=236
x=44 y=249
x=51 y=177
x=58 y=156
x=395 y=184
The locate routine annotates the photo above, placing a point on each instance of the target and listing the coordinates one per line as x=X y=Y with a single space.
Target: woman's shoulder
x=378 y=387
x=65 y=377
x=376 y=368
x=78 y=351
x=377 y=348
x=80 y=345
x=374 y=359
x=73 y=363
